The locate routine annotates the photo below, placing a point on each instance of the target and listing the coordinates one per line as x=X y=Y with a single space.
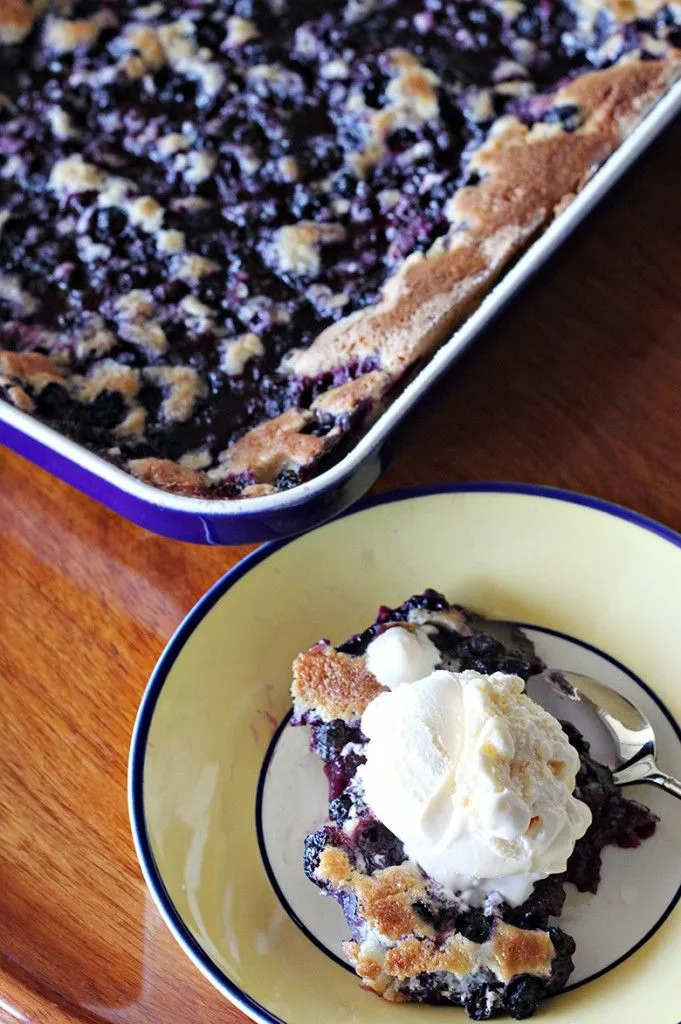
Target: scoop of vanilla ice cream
x=476 y=779
x=401 y=655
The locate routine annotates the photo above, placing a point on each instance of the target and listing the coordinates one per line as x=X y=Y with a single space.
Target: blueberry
x=481 y=17
x=485 y=646
x=210 y=34
x=55 y=402
x=250 y=134
x=475 y=926
x=522 y=996
x=329 y=739
x=430 y=600
x=341 y=771
x=563 y=943
x=514 y=667
x=562 y=965
x=151 y=398
x=379 y=847
x=569 y=115
x=477 y=1003
x=429 y=912
x=314 y=846
x=345 y=185
x=340 y=808
x=530 y=26
x=319 y=428
x=171 y=292
x=105 y=412
x=107 y=223
x=286 y=479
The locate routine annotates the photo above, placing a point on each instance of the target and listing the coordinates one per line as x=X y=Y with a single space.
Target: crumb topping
x=312 y=201
x=386 y=901
x=61 y=124
x=297 y=246
x=268 y=449
x=13 y=295
x=168 y=475
x=63 y=35
x=520 y=951
x=332 y=684
x=183 y=388
x=237 y=352
x=404 y=944
x=109 y=376
x=16 y=19
x=30 y=368
x=347 y=398
x=414 y=940
x=411 y=98
x=240 y=31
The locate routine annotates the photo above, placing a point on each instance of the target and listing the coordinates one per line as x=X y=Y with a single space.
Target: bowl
x=221 y=792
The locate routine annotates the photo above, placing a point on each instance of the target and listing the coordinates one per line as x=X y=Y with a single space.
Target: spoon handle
x=668 y=782
x=646 y=770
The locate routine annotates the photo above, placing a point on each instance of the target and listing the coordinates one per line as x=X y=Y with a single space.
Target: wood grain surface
x=579 y=385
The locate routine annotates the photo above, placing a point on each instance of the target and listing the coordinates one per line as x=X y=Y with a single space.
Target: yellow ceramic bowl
x=603 y=584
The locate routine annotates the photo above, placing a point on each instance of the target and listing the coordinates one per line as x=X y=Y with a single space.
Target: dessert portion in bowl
x=230 y=229
x=458 y=810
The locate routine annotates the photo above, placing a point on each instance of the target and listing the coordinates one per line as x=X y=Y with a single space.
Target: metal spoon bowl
x=620 y=735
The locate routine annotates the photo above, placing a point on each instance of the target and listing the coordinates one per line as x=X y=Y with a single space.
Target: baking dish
x=289 y=512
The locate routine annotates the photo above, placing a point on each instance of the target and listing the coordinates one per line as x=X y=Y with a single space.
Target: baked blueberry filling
x=253 y=173
x=439 y=918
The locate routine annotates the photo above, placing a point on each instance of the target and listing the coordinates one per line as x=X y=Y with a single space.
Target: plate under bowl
x=562 y=562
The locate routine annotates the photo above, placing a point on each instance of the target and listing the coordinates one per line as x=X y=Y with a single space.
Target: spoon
x=620 y=735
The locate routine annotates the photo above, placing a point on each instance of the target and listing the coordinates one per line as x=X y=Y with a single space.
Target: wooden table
x=579 y=386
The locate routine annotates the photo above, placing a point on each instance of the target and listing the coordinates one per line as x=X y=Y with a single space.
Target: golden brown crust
x=258 y=490
x=522 y=188
x=16 y=19
x=168 y=475
x=32 y=369
x=16 y=394
x=623 y=10
x=528 y=171
x=412 y=957
x=345 y=399
x=527 y=176
x=419 y=307
x=334 y=867
x=519 y=951
x=332 y=684
x=386 y=901
x=365 y=966
x=64 y=35
x=509 y=952
x=385 y=898
x=273 y=446
x=405 y=945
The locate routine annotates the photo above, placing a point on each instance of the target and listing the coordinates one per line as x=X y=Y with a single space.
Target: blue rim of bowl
x=201 y=609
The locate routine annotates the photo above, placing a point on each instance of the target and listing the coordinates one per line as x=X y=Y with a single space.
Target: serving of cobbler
x=458 y=810
x=230 y=229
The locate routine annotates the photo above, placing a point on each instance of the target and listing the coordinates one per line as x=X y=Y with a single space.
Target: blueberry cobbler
x=458 y=810
x=230 y=229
